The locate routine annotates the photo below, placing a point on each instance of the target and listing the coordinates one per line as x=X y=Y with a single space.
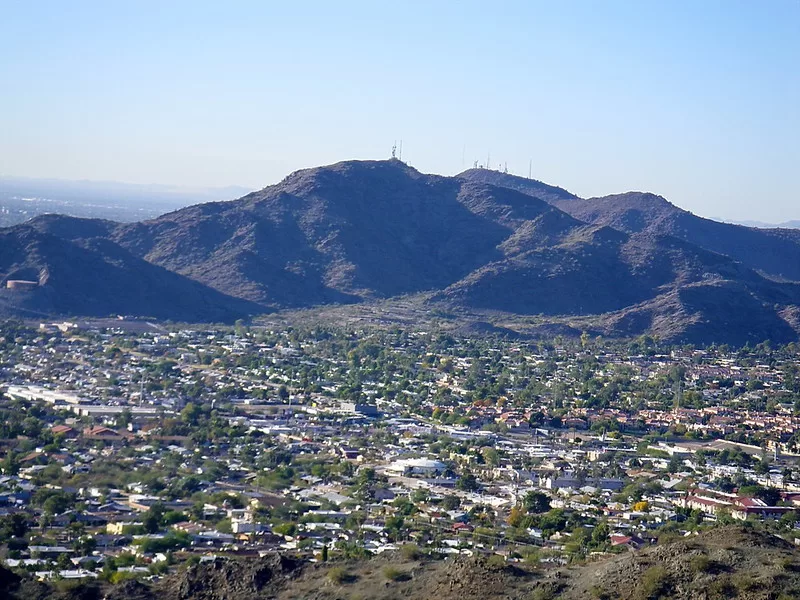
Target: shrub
x=721 y=588
x=411 y=552
x=117 y=578
x=543 y=593
x=599 y=593
x=655 y=582
x=338 y=575
x=701 y=564
x=192 y=561
x=496 y=561
x=394 y=574
x=532 y=557
x=746 y=582
x=788 y=564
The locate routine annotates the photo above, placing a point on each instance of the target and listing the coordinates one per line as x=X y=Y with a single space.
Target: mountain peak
x=358 y=167
x=636 y=197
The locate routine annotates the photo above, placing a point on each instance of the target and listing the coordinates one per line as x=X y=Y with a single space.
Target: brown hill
x=775 y=252
x=727 y=562
x=97 y=277
x=366 y=230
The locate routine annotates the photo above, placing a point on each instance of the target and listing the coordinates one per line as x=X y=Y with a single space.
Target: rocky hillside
x=531 y=187
x=775 y=252
x=97 y=277
x=728 y=562
x=366 y=230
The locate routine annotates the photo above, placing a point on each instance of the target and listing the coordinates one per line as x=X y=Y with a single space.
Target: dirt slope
x=729 y=562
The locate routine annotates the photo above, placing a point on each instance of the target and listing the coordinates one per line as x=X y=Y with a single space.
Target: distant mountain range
x=626 y=264
x=762 y=225
x=22 y=198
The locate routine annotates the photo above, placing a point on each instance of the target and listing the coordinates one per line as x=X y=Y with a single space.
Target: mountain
x=774 y=252
x=762 y=225
x=531 y=187
x=97 y=277
x=335 y=234
x=366 y=230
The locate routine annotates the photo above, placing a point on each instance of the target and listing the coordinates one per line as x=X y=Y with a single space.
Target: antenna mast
x=530 y=167
x=401 y=150
x=394 y=149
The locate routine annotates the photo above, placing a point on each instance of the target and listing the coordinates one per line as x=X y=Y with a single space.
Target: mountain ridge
x=358 y=231
x=775 y=252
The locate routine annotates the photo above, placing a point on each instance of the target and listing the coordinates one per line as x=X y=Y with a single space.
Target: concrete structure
x=37 y=393
x=21 y=285
x=416 y=466
x=367 y=410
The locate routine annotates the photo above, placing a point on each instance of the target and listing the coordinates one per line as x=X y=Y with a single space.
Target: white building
x=416 y=466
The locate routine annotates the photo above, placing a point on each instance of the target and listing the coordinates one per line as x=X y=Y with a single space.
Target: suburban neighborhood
x=129 y=447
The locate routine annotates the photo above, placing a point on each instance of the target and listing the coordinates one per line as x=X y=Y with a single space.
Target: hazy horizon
x=238 y=191
x=697 y=103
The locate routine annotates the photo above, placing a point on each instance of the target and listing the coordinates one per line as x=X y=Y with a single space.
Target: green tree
x=536 y=502
x=85 y=545
x=13 y=526
x=190 y=413
x=467 y=483
x=10 y=464
x=124 y=418
x=152 y=520
x=761 y=466
x=600 y=535
x=63 y=562
x=675 y=464
x=56 y=503
x=451 y=502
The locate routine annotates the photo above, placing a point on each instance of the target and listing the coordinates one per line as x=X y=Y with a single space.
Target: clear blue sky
x=695 y=100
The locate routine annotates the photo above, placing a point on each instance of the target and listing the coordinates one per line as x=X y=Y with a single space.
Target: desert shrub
x=654 y=583
x=411 y=552
x=75 y=588
x=599 y=593
x=745 y=582
x=394 y=574
x=532 y=557
x=543 y=593
x=788 y=564
x=117 y=578
x=338 y=575
x=701 y=564
x=722 y=588
x=496 y=561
